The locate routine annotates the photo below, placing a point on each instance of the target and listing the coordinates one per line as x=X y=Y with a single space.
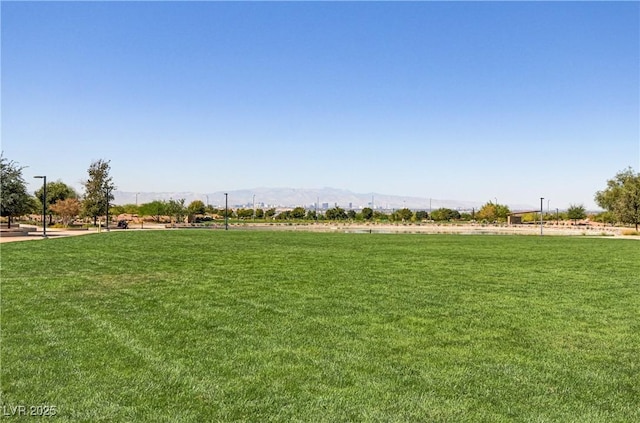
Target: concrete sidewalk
x=36 y=233
x=51 y=233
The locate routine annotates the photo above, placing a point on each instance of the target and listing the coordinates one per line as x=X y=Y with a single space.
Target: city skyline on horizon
x=287 y=197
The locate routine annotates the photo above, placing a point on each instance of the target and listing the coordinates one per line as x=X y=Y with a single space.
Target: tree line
x=620 y=200
x=61 y=199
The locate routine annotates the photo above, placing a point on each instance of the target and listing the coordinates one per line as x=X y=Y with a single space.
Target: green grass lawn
x=206 y=326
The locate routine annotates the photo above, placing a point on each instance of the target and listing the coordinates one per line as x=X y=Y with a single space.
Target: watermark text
x=43 y=410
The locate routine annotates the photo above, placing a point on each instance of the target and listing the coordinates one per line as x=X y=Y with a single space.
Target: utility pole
x=44 y=205
x=226 y=211
x=107 y=189
x=541 y=210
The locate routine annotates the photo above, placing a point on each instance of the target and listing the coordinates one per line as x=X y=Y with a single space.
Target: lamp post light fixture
x=44 y=205
x=541 y=217
x=226 y=211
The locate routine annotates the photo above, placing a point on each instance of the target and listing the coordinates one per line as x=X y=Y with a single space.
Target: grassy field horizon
x=286 y=326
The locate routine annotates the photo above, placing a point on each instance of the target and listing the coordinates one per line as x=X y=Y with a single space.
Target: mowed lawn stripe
x=224 y=326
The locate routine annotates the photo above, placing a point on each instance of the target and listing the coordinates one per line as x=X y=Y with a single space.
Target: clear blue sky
x=466 y=101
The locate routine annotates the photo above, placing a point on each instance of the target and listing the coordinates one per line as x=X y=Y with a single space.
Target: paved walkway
x=451 y=229
x=51 y=233
x=62 y=233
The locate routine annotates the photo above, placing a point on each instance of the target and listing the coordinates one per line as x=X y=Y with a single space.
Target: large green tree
x=622 y=197
x=98 y=189
x=244 y=213
x=403 y=215
x=298 y=213
x=269 y=213
x=336 y=213
x=177 y=210
x=493 y=212
x=56 y=191
x=14 y=198
x=155 y=208
x=445 y=214
x=367 y=213
x=576 y=212
x=196 y=207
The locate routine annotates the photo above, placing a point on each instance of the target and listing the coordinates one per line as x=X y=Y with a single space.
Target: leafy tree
x=336 y=213
x=14 y=198
x=196 y=207
x=404 y=215
x=466 y=216
x=530 y=217
x=298 y=213
x=155 y=208
x=131 y=208
x=493 y=212
x=244 y=213
x=576 y=212
x=311 y=215
x=421 y=215
x=56 y=191
x=367 y=213
x=67 y=209
x=284 y=215
x=270 y=213
x=98 y=189
x=622 y=197
x=605 y=217
x=259 y=213
x=351 y=214
x=116 y=210
x=176 y=209
x=378 y=215
x=443 y=214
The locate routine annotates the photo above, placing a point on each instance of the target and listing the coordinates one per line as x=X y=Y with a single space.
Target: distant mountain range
x=294 y=197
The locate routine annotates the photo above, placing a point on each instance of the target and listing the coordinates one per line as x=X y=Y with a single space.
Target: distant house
x=515 y=218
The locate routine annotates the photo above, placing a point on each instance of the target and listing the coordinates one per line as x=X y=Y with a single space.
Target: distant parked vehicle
x=122 y=224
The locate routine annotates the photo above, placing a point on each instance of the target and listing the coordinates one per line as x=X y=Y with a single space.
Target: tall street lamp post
x=44 y=205
x=226 y=211
x=548 y=201
x=107 y=190
x=541 y=210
